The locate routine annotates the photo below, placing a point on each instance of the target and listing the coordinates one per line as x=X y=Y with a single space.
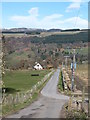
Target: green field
x=16 y=81
x=81 y=51
x=22 y=81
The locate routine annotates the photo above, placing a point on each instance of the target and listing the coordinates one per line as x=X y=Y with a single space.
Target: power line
x=73 y=64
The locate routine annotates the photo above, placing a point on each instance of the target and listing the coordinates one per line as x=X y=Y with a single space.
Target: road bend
x=48 y=105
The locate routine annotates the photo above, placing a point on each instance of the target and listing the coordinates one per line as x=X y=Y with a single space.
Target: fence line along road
x=21 y=97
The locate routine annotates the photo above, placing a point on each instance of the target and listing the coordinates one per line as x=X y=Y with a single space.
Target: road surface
x=48 y=105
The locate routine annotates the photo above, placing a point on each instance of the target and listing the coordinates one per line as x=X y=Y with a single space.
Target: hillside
x=62 y=38
x=48 y=48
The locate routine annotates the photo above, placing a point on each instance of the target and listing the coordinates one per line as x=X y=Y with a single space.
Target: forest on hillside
x=62 y=38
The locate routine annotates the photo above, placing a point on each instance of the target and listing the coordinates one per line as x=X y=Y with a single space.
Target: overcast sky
x=45 y=15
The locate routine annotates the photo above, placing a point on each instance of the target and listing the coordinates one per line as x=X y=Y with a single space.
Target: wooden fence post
x=70 y=102
x=83 y=98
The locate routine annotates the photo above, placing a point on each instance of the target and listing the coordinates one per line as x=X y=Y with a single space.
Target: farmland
x=82 y=72
x=16 y=81
x=81 y=76
x=19 y=84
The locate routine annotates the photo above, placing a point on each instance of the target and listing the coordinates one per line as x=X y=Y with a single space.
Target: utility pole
x=62 y=65
x=73 y=67
x=83 y=98
x=74 y=61
x=66 y=61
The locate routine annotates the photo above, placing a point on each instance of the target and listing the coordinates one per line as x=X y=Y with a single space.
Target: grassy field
x=16 y=81
x=81 y=51
x=82 y=72
x=26 y=84
x=44 y=34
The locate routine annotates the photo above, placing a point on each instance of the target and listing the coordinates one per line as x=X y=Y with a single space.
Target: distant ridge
x=28 y=30
x=22 y=30
x=54 y=30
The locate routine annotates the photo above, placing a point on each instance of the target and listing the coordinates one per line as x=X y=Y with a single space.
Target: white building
x=38 y=67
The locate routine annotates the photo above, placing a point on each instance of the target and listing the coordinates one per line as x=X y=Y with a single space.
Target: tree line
x=63 y=38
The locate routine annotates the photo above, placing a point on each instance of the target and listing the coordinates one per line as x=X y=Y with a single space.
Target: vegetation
x=23 y=52
x=60 y=83
x=82 y=72
x=76 y=115
x=16 y=81
x=33 y=32
x=70 y=30
x=9 y=109
x=83 y=50
x=62 y=38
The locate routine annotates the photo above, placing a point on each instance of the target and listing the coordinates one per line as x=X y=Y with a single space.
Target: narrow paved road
x=48 y=105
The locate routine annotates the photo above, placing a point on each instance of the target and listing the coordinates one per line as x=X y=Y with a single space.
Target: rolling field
x=16 y=81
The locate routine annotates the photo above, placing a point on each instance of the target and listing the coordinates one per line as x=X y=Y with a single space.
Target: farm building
x=49 y=66
x=38 y=66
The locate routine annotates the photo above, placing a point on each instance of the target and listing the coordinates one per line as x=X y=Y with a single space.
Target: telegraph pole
x=74 y=61
x=73 y=67
x=62 y=65
x=66 y=61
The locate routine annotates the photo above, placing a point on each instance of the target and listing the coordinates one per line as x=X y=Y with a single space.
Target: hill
x=22 y=51
x=62 y=38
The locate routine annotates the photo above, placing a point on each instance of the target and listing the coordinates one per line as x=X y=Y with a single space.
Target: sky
x=45 y=15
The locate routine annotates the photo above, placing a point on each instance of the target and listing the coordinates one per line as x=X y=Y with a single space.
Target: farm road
x=48 y=105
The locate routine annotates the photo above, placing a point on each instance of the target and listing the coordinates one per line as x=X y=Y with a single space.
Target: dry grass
x=44 y=34
x=82 y=72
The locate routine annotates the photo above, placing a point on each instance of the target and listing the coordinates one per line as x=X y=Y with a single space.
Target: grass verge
x=60 y=83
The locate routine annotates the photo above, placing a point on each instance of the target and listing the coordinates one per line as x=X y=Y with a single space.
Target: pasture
x=82 y=72
x=21 y=80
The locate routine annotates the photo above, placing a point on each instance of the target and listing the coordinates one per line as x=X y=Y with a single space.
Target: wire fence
x=21 y=97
